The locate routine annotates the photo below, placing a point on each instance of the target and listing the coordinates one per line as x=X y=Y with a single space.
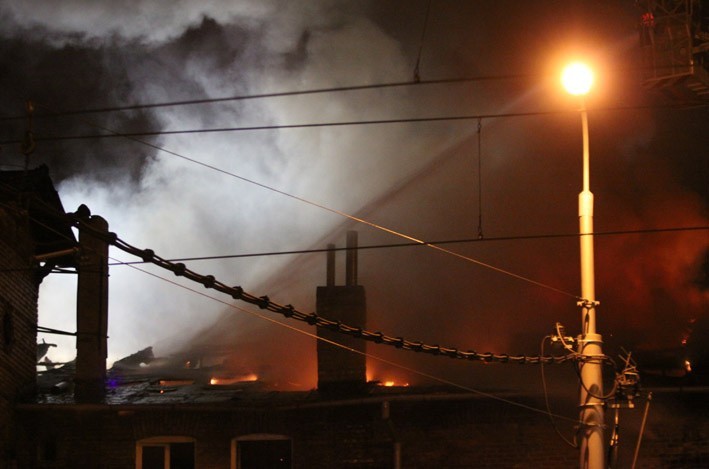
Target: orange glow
x=688 y=366
x=391 y=383
x=224 y=381
x=176 y=382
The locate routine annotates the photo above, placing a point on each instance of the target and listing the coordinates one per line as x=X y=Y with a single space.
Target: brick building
x=152 y=413
x=27 y=234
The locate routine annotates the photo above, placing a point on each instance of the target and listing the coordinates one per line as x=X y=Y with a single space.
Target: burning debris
x=199 y=369
x=231 y=380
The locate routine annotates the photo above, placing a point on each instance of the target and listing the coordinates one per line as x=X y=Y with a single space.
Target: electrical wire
x=610 y=394
x=417 y=71
x=339 y=89
x=49 y=330
x=440 y=242
x=155 y=133
x=277 y=94
x=397 y=245
x=409 y=120
x=574 y=443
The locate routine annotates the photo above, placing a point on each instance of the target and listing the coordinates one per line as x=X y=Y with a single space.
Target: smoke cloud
x=417 y=178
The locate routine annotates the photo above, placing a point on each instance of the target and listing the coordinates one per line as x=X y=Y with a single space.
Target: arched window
x=165 y=452
x=260 y=450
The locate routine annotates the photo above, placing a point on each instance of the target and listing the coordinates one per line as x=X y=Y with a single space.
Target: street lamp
x=577 y=78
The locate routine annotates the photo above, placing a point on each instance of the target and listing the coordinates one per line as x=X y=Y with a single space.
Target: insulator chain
x=313 y=319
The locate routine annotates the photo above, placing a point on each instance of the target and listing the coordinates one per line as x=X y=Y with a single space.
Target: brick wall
x=18 y=319
x=433 y=431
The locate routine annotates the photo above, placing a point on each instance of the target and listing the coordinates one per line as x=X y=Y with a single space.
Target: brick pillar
x=92 y=314
x=340 y=370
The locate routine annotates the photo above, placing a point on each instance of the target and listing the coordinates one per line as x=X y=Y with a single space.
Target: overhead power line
x=277 y=94
x=442 y=242
x=416 y=82
x=313 y=319
x=406 y=120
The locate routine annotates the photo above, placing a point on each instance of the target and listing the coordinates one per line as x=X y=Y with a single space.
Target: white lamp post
x=577 y=78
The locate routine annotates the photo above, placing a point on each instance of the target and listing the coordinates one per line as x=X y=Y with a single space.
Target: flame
x=175 y=382
x=222 y=381
x=389 y=383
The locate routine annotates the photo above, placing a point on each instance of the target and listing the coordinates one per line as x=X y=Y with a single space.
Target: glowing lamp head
x=577 y=78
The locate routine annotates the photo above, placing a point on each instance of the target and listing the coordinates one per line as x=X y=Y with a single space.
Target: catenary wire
x=288 y=311
x=408 y=120
x=450 y=241
x=400 y=245
x=277 y=94
x=339 y=89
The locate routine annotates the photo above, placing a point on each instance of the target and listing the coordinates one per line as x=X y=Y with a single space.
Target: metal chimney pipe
x=351 y=265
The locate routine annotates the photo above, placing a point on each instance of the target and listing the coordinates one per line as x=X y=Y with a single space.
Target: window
x=165 y=452
x=261 y=451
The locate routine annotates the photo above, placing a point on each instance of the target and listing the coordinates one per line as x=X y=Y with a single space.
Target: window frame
x=236 y=463
x=160 y=441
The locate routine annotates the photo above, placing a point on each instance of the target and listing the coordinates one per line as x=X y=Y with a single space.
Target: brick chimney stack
x=91 y=312
x=342 y=371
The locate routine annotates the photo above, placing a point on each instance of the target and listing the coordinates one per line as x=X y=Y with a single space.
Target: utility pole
x=589 y=347
x=577 y=78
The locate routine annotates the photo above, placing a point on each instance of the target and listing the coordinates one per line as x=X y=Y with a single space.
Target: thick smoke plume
x=422 y=179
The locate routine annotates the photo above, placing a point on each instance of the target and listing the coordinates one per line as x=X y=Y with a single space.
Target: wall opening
x=259 y=451
x=165 y=452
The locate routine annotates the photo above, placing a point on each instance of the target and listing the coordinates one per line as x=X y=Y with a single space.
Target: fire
x=176 y=382
x=390 y=383
x=223 y=381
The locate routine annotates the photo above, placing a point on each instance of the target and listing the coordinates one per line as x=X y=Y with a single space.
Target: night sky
x=649 y=170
